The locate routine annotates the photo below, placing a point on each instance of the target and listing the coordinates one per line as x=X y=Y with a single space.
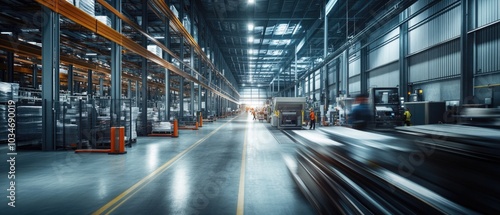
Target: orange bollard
x=176 y=129
x=117 y=145
x=201 y=120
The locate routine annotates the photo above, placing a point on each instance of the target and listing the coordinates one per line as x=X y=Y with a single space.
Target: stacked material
x=67 y=134
x=29 y=123
x=4 y=125
x=162 y=127
x=135 y=113
x=104 y=19
x=152 y=116
x=88 y=6
x=9 y=91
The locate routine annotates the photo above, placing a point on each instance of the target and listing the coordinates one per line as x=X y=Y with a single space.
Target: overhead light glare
x=159 y=37
x=250 y=26
x=251 y=1
x=91 y=54
x=250 y=39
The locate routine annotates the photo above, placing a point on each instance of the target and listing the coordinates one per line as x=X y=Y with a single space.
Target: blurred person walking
x=361 y=113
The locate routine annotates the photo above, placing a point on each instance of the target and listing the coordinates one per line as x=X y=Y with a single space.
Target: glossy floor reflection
x=197 y=173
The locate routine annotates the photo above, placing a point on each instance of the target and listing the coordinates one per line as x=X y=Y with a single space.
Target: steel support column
x=89 y=83
x=466 y=78
x=345 y=72
x=35 y=76
x=70 y=80
x=324 y=72
x=200 y=67
x=296 y=75
x=57 y=50
x=403 y=51
x=116 y=65
x=181 y=96
x=137 y=93
x=50 y=61
x=191 y=84
x=144 y=71
x=192 y=59
x=337 y=77
x=167 y=57
x=129 y=89
x=363 y=79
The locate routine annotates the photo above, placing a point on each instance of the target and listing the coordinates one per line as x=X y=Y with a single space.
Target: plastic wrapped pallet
x=104 y=19
x=68 y=132
x=88 y=6
x=162 y=127
x=9 y=91
x=29 y=122
x=3 y=126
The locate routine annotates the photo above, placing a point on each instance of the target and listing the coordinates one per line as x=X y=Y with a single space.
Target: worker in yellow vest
x=407 y=115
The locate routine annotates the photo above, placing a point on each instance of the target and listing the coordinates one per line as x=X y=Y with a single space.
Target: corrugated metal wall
x=493 y=93
x=434 y=50
x=353 y=80
x=354 y=65
x=332 y=72
x=354 y=85
x=386 y=76
x=332 y=78
x=317 y=80
x=384 y=53
x=488 y=11
x=446 y=90
x=440 y=5
x=488 y=50
x=439 y=62
x=439 y=29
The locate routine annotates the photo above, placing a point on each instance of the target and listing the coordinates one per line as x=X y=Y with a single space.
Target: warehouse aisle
x=198 y=173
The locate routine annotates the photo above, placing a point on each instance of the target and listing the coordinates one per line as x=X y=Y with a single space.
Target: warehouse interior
x=208 y=106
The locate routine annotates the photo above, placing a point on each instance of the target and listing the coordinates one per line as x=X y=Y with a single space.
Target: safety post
x=201 y=120
x=117 y=140
x=176 y=128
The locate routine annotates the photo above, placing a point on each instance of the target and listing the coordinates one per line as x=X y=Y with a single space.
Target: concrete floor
x=231 y=166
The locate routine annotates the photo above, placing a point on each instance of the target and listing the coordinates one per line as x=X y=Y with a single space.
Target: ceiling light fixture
x=251 y=1
x=250 y=39
x=91 y=54
x=250 y=26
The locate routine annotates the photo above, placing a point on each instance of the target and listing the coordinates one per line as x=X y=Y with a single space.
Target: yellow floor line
x=120 y=199
x=241 y=192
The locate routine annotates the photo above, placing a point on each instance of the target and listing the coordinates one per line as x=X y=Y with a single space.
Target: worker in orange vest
x=312 y=118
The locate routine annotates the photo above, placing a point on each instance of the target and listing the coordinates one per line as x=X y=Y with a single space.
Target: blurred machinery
x=342 y=110
x=288 y=112
x=484 y=117
x=427 y=169
x=386 y=106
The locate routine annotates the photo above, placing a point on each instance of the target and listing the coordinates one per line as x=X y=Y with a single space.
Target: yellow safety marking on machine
x=123 y=197
x=241 y=191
